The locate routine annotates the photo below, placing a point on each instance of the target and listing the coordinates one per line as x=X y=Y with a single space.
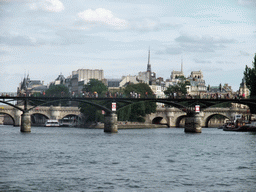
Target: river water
x=167 y=159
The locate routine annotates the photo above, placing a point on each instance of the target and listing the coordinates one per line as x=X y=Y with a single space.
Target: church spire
x=149 y=65
x=181 y=64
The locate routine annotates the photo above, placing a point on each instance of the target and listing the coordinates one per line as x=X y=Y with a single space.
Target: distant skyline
x=44 y=38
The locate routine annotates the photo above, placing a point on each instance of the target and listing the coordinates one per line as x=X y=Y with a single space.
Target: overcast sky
x=44 y=38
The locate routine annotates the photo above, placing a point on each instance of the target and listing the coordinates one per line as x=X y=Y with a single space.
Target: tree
x=180 y=89
x=141 y=89
x=58 y=91
x=92 y=113
x=250 y=78
x=137 y=111
x=95 y=86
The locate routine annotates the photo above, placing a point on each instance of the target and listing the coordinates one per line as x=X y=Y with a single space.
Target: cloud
x=48 y=5
x=247 y=2
x=225 y=62
x=170 y=51
x=244 y=53
x=202 y=61
x=101 y=16
x=2 y=52
x=196 y=44
x=149 y=24
x=202 y=44
x=17 y=40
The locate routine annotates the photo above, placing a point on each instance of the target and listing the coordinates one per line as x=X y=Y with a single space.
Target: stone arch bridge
x=172 y=116
x=51 y=112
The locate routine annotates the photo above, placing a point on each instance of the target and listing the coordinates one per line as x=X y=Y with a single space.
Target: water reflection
x=73 y=159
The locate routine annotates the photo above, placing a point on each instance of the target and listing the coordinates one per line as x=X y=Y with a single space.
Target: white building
x=158 y=90
x=87 y=74
x=197 y=84
x=128 y=79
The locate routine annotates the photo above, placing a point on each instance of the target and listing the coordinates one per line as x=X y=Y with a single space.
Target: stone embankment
x=129 y=125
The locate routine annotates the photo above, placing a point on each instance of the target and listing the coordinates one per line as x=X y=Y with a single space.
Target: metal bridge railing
x=6 y=94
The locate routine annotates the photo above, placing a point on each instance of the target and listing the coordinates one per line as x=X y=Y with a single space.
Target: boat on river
x=67 y=122
x=240 y=126
x=52 y=123
x=229 y=126
x=250 y=127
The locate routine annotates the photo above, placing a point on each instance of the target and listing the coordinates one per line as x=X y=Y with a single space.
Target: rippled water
x=73 y=159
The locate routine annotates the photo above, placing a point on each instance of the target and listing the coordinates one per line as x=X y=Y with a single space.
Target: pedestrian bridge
x=179 y=108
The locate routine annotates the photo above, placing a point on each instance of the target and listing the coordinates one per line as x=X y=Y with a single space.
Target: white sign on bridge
x=113 y=106
x=197 y=108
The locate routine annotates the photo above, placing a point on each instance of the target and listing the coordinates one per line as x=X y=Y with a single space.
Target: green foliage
x=57 y=91
x=224 y=105
x=180 y=89
x=137 y=111
x=141 y=88
x=125 y=113
x=95 y=85
x=250 y=78
x=92 y=113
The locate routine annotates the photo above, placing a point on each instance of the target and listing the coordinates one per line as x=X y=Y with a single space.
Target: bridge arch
x=159 y=120
x=179 y=119
x=43 y=113
x=70 y=115
x=38 y=118
x=208 y=118
x=9 y=115
x=71 y=120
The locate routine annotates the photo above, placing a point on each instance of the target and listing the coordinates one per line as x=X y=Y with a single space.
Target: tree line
x=250 y=78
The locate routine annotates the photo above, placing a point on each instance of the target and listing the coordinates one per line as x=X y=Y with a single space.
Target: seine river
x=76 y=159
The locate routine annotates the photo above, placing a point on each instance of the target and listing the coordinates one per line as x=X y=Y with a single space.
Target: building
x=128 y=79
x=81 y=77
x=243 y=90
x=158 y=90
x=113 y=84
x=87 y=74
x=197 y=84
x=175 y=77
x=220 y=91
x=60 y=80
x=28 y=87
x=148 y=76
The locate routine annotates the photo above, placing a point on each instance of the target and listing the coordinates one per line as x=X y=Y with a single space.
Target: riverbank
x=129 y=125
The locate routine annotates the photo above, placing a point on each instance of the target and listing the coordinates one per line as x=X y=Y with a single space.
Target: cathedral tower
x=149 y=65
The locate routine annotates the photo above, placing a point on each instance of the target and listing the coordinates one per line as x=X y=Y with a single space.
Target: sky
x=45 y=38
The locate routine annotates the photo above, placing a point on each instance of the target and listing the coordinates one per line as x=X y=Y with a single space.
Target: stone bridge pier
x=16 y=117
x=193 y=123
x=25 y=122
x=110 y=123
